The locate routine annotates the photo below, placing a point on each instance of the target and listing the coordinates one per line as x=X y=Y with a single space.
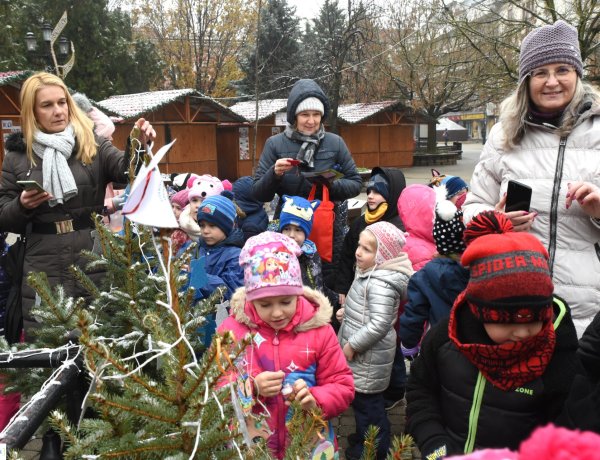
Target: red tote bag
x=322 y=229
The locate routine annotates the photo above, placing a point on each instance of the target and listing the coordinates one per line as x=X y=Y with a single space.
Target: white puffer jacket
x=369 y=316
x=547 y=164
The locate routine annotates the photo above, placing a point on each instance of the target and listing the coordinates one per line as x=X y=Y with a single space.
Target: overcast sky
x=306 y=8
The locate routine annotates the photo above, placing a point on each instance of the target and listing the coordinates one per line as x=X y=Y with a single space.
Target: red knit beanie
x=510 y=279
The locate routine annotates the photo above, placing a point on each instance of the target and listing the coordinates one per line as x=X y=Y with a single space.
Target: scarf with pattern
x=508 y=365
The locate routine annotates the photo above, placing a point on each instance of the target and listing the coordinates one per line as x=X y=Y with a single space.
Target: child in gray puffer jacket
x=367 y=334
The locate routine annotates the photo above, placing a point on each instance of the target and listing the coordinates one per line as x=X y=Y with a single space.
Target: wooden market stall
x=184 y=114
x=10 y=106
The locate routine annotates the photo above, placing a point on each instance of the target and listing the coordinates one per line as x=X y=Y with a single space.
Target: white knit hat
x=310 y=103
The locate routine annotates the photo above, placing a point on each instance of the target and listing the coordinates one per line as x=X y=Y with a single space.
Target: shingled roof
x=134 y=105
x=266 y=108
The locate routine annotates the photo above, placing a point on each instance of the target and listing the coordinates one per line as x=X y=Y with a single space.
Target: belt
x=62 y=226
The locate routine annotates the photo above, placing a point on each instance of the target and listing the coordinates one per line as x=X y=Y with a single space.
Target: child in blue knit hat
x=295 y=221
x=220 y=245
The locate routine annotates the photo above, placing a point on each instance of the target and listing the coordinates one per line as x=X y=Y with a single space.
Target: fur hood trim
x=321 y=317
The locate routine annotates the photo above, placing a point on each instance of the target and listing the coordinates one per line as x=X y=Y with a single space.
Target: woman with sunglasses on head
x=548 y=138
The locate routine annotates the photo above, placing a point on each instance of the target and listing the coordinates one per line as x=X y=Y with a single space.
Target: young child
x=294 y=344
x=256 y=219
x=188 y=221
x=179 y=201
x=433 y=289
x=416 y=208
x=502 y=364
x=220 y=247
x=383 y=190
x=367 y=333
x=295 y=221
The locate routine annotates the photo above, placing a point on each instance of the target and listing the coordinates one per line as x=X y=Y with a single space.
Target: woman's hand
x=587 y=195
x=282 y=166
x=303 y=395
x=147 y=131
x=31 y=199
x=521 y=220
x=339 y=315
x=269 y=383
x=348 y=351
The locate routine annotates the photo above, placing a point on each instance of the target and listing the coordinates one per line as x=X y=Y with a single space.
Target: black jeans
x=369 y=409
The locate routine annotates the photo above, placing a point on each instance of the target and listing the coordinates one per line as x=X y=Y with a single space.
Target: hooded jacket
x=306 y=348
x=416 y=208
x=49 y=253
x=332 y=153
x=222 y=265
x=256 y=220
x=548 y=163
x=368 y=324
x=449 y=401
x=431 y=293
x=397 y=183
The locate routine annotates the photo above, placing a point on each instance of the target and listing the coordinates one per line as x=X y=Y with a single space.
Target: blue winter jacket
x=431 y=293
x=256 y=219
x=222 y=265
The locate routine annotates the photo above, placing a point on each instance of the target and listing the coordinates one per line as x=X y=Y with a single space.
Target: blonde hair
x=83 y=127
x=514 y=109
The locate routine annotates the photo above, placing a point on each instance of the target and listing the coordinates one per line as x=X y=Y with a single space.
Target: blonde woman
x=549 y=138
x=58 y=149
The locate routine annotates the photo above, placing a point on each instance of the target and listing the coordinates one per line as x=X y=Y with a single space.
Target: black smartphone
x=31 y=184
x=518 y=197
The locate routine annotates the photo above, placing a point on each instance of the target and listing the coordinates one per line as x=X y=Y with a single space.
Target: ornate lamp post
x=49 y=37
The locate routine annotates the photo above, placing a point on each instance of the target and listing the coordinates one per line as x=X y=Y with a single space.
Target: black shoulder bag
x=13 y=316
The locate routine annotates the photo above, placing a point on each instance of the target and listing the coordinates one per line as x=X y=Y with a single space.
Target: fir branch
x=370 y=443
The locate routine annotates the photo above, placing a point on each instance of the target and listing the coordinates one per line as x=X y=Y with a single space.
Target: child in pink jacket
x=294 y=348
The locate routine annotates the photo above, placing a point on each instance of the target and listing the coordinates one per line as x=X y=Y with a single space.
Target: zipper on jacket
x=558 y=173
x=474 y=414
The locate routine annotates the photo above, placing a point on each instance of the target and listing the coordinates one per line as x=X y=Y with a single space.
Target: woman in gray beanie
x=310 y=148
x=548 y=138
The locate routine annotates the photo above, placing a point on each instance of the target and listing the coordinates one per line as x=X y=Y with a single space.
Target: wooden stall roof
x=266 y=108
x=347 y=113
x=396 y=111
x=131 y=106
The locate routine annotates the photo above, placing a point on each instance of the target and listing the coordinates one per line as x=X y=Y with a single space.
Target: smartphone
x=31 y=184
x=293 y=162
x=518 y=197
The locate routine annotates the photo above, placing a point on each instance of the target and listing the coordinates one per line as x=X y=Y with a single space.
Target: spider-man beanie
x=510 y=279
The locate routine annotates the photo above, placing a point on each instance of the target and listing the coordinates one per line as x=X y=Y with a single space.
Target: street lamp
x=49 y=36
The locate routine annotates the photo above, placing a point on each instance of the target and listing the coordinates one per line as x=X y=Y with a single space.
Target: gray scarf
x=309 y=143
x=55 y=150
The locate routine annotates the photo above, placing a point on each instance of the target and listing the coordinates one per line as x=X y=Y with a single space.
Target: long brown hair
x=83 y=127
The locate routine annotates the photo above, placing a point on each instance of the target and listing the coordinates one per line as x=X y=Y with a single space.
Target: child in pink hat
x=367 y=334
x=294 y=353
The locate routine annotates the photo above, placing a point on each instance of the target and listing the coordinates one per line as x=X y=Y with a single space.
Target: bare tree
x=495 y=29
x=430 y=65
x=199 y=40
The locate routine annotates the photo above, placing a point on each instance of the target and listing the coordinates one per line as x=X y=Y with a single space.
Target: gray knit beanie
x=548 y=44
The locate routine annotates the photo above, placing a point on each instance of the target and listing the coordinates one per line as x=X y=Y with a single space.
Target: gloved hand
x=410 y=353
x=438 y=447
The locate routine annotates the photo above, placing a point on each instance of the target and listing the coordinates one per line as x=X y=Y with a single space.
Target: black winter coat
x=443 y=391
x=397 y=183
x=256 y=220
x=49 y=253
